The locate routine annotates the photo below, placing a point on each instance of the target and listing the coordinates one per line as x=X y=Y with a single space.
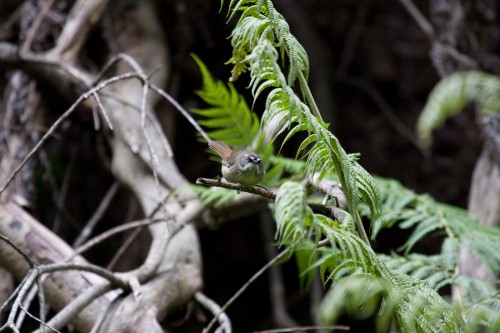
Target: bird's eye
x=254 y=159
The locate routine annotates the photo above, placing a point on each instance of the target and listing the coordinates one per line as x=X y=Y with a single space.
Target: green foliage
x=293 y=215
x=362 y=284
x=412 y=305
x=404 y=208
x=281 y=167
x=213 y=197
x=228 y=118
x=400 y=288
x=260 y=38
x=407 y=209
x=452 y=94
x=484 y=314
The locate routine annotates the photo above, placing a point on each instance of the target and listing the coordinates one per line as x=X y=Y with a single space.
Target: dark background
x=371 y=73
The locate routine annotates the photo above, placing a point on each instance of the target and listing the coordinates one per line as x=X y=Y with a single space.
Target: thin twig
x=183 y=111
x=103 y=110
x=42 y=322
x=19 y=250
x=124 y=247
x=96 y=217
x=280 y=315
x=31 y=276
x=111 y=232
x=246 y=285
x=417 y=15
x=77 y=305
x=215 y=309
x=61 y=119
x=108 y=275
x=352 y=37
x=41 y=303
x=146 y=84
x=13 y=295
x=149 y=117
x=385 y=107
x=27 y=302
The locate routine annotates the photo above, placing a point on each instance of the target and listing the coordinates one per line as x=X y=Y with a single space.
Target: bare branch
x=215 y=309
x=332 y=212
x=111 y=232
x=81 y=19
x=89 y=226
x=77 y=305
x=41 y=321
x=246 y=285
x=60 y=120
x=18 y=250
x=417 y=15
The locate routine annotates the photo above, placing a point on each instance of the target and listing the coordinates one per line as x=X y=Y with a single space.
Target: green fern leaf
x=213 y=197
x=452 y=94
x=293 y=215
x=485 y=316
x=351 y=246
x=305 y=254
x=229 y=117
x=368 y=191
x=423 y=229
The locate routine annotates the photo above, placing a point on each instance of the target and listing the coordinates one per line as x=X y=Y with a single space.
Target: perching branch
x=332 y=212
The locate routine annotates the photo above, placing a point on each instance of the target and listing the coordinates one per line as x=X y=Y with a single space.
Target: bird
x=238 y=166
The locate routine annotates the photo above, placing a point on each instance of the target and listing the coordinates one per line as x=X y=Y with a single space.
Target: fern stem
x=360 y=229
x=308 y=95
x=457 y=290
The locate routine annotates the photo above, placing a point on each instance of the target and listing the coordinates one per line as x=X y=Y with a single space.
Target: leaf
x=452 y=94
x=229 y=118
x=292 y=214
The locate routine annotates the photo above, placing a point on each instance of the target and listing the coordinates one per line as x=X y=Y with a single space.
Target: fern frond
x=294 y=167
x=259 y=39
x=368 y=191
x=213 y=197
x=306 y=253
x=424 y=226
x=297 y=56
x=485 y=246
x=229 y=118
x=484 y=315
x=421 y=267
x=293 y=215
x=261 y=22
x=412 y=305
x=452 y=94
x=349 y=246
x=449 y=254
x=410 y=210
x=477 y=290
x=281 y=165
x=359 y=296
x=421 y=309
